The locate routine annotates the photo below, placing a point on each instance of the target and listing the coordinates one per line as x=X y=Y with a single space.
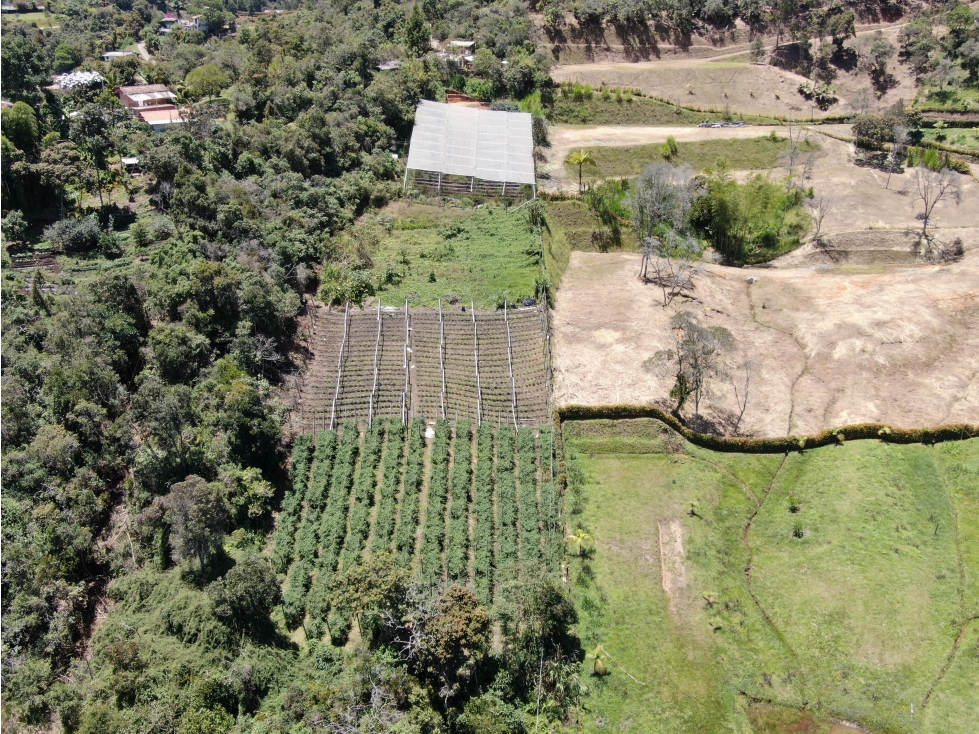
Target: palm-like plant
x=579 y=540
x=580 y=158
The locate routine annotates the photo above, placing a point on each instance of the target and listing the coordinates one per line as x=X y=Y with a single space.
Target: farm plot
x=725 y=589
x=446 y=363
x=443 y=525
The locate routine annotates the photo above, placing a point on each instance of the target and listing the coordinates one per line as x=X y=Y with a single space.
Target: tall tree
x=198 y=517
x=416 y=32
x=580 y=158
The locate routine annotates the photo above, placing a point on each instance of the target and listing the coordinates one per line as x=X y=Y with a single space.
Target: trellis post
x=509 y=357
x=377 y=349
x=442 y=355
x=479 y=390
x=343 y=344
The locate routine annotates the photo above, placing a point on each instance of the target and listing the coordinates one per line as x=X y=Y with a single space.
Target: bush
x=457 y=560
x=414 y=473
x=387 y=505
x=434 y=539
x=483 y=511
x=74 y=235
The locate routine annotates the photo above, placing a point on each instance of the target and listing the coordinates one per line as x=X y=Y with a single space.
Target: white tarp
x=463 y=141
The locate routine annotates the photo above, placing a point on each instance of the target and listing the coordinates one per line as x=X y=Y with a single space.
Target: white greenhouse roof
x=462 y=141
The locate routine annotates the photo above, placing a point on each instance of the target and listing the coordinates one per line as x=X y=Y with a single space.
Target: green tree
x=20 y=126
x=580 y=158
x=14 y=227
x=92 y=131
x=178 y=352
x=206 y=81
x=66 y=57
x=198 y=517
x=246 y=595
x=416 y=32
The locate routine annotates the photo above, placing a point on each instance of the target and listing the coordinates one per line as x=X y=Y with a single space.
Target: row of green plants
x=506 y=498
x=404 y=540
x=434 y=540
x=307 y=534
x=360 y=512
x=550 y=496
x=333 y=526
x=387 y=504
x=529 y=513
x=483 y=511
x=457 y=552
x=292 y=504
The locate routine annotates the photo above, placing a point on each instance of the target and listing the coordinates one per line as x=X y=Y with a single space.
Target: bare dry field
x=836 y=342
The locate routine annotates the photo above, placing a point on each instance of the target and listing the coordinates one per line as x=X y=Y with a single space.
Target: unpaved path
x=834 y=345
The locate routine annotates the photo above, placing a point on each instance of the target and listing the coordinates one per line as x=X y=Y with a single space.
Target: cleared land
x=844 y=580
x=836 y=342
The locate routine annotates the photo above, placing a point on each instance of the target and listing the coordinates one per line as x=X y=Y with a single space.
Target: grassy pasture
x=760 y=153
x=597 y=110
x=864 y=568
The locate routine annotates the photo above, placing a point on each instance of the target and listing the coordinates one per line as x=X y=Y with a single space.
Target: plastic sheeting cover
x=462 y=141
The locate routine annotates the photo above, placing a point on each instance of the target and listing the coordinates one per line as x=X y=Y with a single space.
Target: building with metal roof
x=461 y=150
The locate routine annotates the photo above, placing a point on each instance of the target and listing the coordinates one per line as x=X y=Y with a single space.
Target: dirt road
x=833 y=345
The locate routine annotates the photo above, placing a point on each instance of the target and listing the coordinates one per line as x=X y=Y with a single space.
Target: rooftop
x=462 y=141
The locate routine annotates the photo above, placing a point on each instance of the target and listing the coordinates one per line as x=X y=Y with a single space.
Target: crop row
x=483 y=512
x=333 y=526
x=506 y=500
x=550 y=504
x=414 y=474
x=387 y=502
x=292 y=503
x=529 y=514
x=457 y=553
x=434 y=538
x=360 y=512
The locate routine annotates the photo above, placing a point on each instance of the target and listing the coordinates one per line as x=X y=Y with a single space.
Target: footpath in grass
x=864 y=569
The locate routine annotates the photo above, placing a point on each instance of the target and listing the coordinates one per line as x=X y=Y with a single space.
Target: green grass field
x=42 y=20
x=476 y=255
x=760 y=153
x=864 y=571
x=963 y=137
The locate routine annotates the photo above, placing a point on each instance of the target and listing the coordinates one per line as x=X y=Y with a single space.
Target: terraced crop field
x=484 y=366
x=487 y=511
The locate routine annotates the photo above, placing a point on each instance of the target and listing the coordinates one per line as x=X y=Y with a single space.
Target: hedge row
x=529 y=513
x=457 y=553
x=434 y=539
x=506 y=499
x=360 y=512
x=333 y=526
x=404 y=540
x=779 y=445
x=483 y=511
x=292 y=503
x=387 y=503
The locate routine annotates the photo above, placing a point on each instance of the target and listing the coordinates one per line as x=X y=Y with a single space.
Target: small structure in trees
x=464 y=151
